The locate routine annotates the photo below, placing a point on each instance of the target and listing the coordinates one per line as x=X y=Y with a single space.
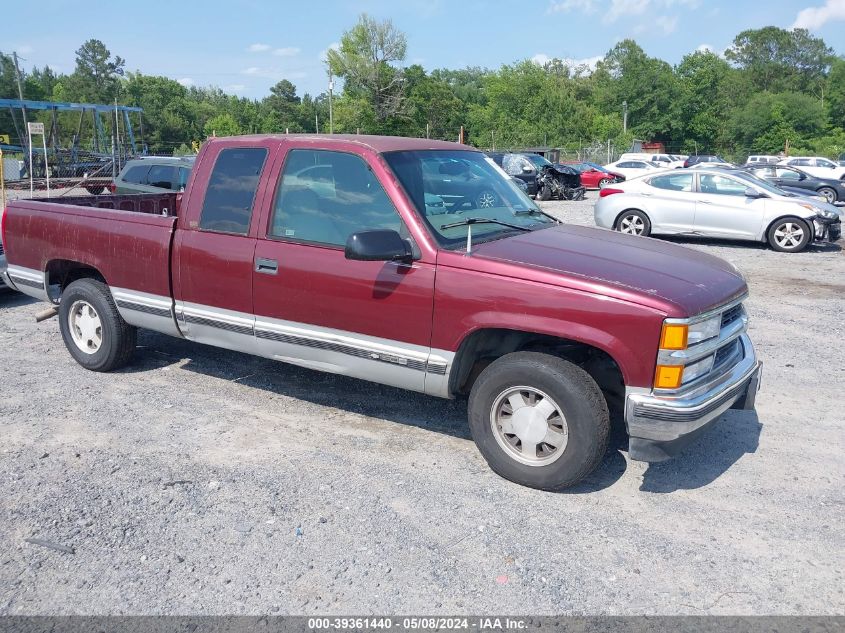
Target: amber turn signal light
x=668 y=376
x=674 y=336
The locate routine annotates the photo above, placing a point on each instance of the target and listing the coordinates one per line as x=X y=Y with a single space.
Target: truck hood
x=674 y=279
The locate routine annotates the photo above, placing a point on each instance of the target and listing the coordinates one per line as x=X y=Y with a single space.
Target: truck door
x=314 y=307
x=214 y=252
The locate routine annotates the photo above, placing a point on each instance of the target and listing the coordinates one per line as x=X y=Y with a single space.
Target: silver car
x=716 y=203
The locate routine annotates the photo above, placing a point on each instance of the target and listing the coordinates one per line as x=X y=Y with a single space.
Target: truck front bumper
x=662 y=426
x=5 y=282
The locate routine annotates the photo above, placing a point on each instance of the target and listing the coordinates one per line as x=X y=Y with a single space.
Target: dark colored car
x=594 y=176
x=703 y=158
x=155 y=174
x=520 y=167
x=832 y=189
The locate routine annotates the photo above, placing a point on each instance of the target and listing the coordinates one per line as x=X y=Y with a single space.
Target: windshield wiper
x=470 y=221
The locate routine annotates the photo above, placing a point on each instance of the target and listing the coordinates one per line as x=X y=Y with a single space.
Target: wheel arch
x=60 y=273
x=624 y=211
x=786 y=216
x=482 y=346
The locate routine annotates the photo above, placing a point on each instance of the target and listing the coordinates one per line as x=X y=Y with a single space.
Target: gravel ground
x=202 y=481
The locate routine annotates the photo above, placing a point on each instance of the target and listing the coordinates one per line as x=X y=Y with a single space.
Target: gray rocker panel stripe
x=394 y=359
x=221 y=325
x=139 y=307
x=23 y=281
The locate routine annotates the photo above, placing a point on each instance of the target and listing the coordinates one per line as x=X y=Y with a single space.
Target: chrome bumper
x=662 y=426
x=4 y=276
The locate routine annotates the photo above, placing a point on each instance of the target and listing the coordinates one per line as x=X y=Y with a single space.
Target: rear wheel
x=604 y=182
x=828 y=193
x=538 y=420
x=93 y=331
x=634 y=222
x=95 y=190
x=789 y=235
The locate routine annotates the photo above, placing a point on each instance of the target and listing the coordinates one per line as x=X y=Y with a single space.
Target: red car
x=407 y=262
x=594 y=176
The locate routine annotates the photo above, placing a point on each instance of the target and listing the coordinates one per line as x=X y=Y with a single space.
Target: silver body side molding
x=152 y=312
x=28 y=281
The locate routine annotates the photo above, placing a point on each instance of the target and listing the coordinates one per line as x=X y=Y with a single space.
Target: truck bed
x=126 y=238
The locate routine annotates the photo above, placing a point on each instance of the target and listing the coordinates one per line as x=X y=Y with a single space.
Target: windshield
x=763 y=184
x=448 y=187
x=537 y=160
x=597 y=166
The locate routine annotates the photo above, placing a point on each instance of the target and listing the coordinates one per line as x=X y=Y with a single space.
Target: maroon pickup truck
x=412 y=263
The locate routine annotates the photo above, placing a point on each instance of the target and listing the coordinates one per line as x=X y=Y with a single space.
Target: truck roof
x=376 y=143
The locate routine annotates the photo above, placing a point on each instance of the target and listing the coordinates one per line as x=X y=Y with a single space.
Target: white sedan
x=633 y=168
x=716 y=203
x=817 y=166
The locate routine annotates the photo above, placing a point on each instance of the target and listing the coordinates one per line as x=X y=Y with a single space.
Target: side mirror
x=378 y=246
x=527 y=170
x=751 y=192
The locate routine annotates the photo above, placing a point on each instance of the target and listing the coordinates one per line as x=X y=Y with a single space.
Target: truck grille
x=727 y=355
x=731 y=315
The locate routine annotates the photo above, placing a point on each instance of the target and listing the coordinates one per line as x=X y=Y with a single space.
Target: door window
x=821 y=162
x=162 y=176
x=787 y=174
x=514 y=164
x=184 y=173
x=767 y=172
x=325 y=196
x=136 y=175
x=721 y=185
x=673 y=182
x=227 y=207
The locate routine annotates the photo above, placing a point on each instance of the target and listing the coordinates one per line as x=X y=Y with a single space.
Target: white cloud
x=286 y=51
x=252 y=70
x=667 y=23
x=565 y=6
x=541 y=59
x=234 y=88
x=813 y=18
x=258 y=48
x=186 y=81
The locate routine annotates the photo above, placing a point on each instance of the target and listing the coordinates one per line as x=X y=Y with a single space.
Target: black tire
x=787 y=226
x=829 y=193
x=118 y=338
x=579 y=399
x=544 y=194
x=604 y=182
x=632 y=216
x=95 y=190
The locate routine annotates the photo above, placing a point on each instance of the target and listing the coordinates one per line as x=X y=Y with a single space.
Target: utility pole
x=331 y=117
x=624 y=117
x=20 y=91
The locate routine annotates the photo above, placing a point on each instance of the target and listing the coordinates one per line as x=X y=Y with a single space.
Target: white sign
x=35 y=128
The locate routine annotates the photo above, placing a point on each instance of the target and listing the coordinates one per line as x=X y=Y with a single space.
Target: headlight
x=699 y=368
x=680 y=336
x=829 y=215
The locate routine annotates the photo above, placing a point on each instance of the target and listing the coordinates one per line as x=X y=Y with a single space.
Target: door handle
x=266 y=266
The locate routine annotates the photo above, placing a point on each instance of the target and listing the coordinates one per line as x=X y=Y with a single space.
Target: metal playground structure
x=91 y=163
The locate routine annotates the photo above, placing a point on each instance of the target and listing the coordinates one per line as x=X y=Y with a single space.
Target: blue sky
x=246 y=46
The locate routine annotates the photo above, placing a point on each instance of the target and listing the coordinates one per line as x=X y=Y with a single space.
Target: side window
x=673 y=182
x=787 y=174
x=764 y=172
x=802 y=162
x=162 y=176
x=627 y=164
x=325 y=196
x=821 y=162
x=137 y=174
x=227 y=207
x=184 y=174
x=720 y=185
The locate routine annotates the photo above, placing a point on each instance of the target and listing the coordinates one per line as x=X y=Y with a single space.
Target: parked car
x=842 y=159
x=594 y=176
x=703 y=158
x=537 y=323
x=831 y=189
x=559 y=181
x=633 y=168
x=666 y=161
x=761 y=159
x=715 y=203
x=154 y=174
x=817 y=166
x=518 y=166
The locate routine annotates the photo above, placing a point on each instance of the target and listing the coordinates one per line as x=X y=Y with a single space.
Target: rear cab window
x=137 y=175
x=230 y=196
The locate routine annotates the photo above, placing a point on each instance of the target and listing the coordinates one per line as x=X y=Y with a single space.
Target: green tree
x=365 y=61
x=222 y=125
x=96 y=77
x=778 y=60
x=703 y=104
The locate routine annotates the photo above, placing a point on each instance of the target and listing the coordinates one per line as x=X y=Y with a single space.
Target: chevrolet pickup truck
x=412 y=263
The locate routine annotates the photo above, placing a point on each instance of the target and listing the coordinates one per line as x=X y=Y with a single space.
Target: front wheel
x=538 y=420
x=789 y=235
x=634 y=222
x=545 y=193
x=604 y=182
x=93 y=331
